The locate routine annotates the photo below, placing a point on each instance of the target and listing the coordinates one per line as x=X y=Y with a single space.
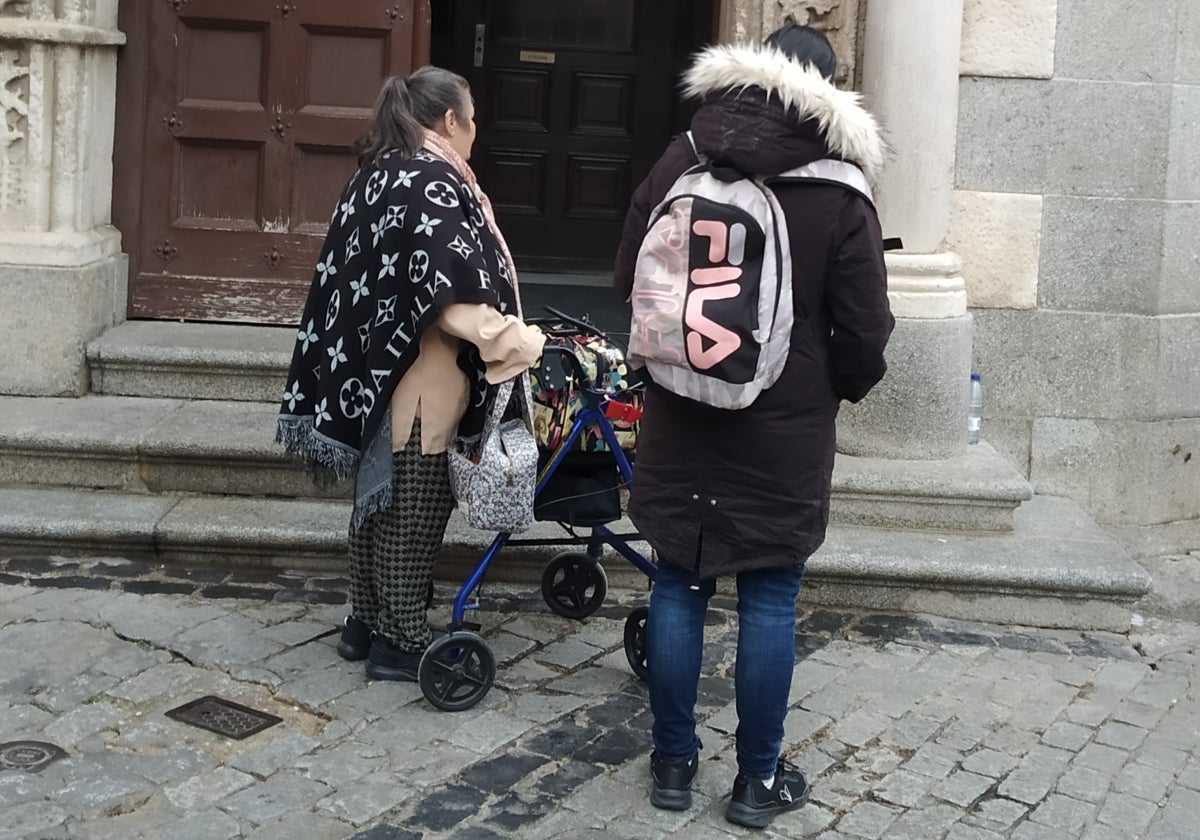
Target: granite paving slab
x=908 y=725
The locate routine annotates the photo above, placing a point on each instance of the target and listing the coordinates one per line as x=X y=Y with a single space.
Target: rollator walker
x=583 y=394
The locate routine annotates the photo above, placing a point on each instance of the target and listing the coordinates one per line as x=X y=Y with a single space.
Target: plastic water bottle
x=975 y=412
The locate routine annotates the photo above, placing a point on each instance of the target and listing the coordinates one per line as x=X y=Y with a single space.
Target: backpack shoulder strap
x=828 y=171
x=722 y=172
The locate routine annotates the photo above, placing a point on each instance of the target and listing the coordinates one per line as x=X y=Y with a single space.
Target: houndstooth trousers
x=392 y=554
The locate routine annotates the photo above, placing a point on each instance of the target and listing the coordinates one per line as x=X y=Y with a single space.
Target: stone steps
x=240 y=362
x=172 y=459
x=228 y=531
x=146 y=444
x=1055 y=569
x=192 y=361
x=212 y=362
x=226 y=447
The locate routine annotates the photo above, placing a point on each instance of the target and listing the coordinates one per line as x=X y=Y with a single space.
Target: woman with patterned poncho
x=412 y=314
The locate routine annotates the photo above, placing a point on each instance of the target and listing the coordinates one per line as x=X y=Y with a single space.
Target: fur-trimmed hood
x=848 y=130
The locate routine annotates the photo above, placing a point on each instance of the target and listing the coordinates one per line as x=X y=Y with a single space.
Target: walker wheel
x=574 y=585
x=635 y=641
x=457 y=671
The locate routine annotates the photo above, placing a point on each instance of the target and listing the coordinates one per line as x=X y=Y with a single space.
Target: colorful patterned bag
x=558 y=386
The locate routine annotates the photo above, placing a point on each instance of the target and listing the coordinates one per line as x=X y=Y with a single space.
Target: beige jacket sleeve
x=508 y=345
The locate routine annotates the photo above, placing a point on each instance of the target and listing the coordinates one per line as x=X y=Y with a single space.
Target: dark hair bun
x=805 y=45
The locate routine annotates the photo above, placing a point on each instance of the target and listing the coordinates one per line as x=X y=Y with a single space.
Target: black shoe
x=672 y=781
x=356 y=639
x=754 y=805
x=388 y=662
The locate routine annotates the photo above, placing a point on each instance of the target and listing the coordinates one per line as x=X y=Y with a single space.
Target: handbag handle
x=491 y=425
x=503 y=395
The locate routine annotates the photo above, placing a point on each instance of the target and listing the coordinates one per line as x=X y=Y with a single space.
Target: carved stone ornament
x=172 y=124
x=14 y=119
x=178 y=5
x=819 y=14
x=12 y=194
x=752 y=20
x=274 y=259
x=286 y=8
x=14 y=8
x=166 y=251
x=395 y=15
x=14 y=107
x=838 y=19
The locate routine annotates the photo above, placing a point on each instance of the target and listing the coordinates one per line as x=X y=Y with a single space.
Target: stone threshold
x=1056 y=569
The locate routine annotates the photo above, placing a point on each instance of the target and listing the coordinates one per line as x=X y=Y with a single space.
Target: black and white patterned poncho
x=407 y=239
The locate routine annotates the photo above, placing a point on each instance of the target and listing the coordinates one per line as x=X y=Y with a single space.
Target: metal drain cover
x=30 y=756
x=224 y=717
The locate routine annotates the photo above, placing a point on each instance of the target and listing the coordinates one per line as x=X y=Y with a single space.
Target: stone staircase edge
x=192 y=523
x=179 y=451
x=980 y=474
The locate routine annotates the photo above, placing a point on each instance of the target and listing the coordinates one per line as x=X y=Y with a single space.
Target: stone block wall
x=1077 y=215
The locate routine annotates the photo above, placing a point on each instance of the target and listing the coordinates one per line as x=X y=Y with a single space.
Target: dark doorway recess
x=575 y=101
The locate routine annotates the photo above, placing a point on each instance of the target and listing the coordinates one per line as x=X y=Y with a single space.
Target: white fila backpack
x=712 y=288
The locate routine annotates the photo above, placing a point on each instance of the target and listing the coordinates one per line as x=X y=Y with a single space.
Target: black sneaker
x=356 y=639
x=754 y=805
x=672 y=781
x=387 y=662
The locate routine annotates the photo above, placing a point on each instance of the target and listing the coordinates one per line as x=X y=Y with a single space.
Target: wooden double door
x=236 y=122
x=236 y=125
x=575 y=100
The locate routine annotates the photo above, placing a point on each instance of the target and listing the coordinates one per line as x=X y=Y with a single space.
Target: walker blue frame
x=592 y=414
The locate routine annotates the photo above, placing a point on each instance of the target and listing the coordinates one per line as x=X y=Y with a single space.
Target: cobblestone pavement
x=909 y=726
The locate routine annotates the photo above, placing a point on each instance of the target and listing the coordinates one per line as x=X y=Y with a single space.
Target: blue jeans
x=766 y=655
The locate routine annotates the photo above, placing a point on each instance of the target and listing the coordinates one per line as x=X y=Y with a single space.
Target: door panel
x=597 y=24
x=251 y=110
x=520 y=100
x=519 y=178
x=597 y=188
x=603 y=105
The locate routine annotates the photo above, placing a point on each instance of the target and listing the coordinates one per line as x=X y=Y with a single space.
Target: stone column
x=910 y=82
x=62 y=274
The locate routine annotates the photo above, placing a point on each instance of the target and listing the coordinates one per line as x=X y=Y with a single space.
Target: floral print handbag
x=494 y=476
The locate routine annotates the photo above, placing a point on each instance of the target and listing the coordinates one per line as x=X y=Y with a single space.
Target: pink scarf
x=442 y=147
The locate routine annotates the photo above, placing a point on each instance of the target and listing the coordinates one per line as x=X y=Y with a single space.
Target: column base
x=60 y=249
x=59 y=311
x=919 y=410
x=926 y=285
x=977 y=491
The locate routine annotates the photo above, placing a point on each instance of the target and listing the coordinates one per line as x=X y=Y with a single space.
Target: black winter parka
x=720 y=492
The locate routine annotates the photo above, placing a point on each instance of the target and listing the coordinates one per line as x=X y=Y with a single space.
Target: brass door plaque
x=537 y=57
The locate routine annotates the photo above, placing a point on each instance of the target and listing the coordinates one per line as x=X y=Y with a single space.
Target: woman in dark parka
x=746 y=492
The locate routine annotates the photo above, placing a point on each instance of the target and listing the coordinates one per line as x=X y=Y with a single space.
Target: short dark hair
x=805 y=45
x=408 y=106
